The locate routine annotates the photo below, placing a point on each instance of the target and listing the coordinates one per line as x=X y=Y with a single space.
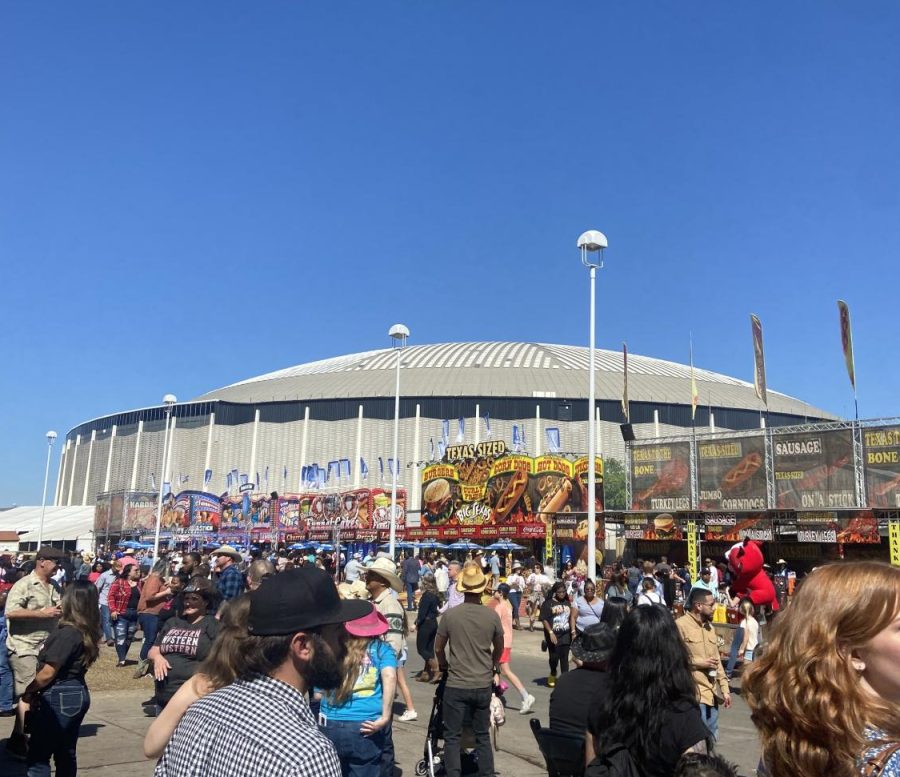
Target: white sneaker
x=408 y=715
x=527 y=705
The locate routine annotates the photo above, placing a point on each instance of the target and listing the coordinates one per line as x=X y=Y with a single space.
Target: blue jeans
x=735 y=646
x=149 y=625
x=515 y=599
x=126 y=625
x=710 y=715
x=360 y=756
x=6 y=679
x=457 y=702
x=106 y=624
x=54 y=724
x=411 y=595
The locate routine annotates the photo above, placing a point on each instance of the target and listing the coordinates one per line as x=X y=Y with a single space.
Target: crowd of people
x=291 y=663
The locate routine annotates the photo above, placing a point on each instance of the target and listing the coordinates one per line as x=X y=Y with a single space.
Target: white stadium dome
x=342 y=407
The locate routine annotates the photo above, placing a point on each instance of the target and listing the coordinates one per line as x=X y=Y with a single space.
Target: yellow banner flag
x=894 y=538
x=692 y=549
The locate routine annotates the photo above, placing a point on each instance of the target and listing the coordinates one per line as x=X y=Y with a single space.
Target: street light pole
x=592 y=242
x=51 y=436
x=399 y=334
x=169 y=401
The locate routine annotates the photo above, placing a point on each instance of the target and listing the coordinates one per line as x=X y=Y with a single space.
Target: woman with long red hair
x=825 y=695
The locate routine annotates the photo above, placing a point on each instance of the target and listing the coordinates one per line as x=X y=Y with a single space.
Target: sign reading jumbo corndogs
x=732 y=473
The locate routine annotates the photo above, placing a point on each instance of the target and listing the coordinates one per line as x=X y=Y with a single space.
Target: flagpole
x=399 y=334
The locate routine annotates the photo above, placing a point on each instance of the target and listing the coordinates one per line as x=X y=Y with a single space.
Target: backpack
x=615 y=761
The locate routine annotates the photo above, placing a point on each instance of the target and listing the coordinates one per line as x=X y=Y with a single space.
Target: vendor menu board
x=139 y=512
x=651 y=526
x=735 y=527
x=814 y=470
x=856 y=527
x=660 y=476
x=732 y=473
x=881 y=451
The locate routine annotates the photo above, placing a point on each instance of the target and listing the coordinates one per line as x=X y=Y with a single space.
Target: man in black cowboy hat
x=575 y=691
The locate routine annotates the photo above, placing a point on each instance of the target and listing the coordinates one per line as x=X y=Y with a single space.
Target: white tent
x=61 y=524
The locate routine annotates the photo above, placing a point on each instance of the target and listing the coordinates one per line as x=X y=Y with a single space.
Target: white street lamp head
x=51 y=436
x=592 y=240
x=169 y=399
x=399 y=332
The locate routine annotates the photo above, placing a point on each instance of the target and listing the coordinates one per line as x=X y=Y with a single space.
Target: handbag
x=874 y=765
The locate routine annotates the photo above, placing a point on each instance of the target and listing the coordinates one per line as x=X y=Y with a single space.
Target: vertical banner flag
x=391 y=467
x=894 y=539
x=363 y=469
x=266 y=477
x=345 y=469
x=284 y=474
x=334 y=469
x=695 y=395
x=207 y=476
x=257 y=482
x=516 y=440
x=244 y=479
x=461 y=432
x=442 y=449
x=445 y=431
x=228 y=481
x=235 y=478
x=167 y=488
x=381 y=468
x=487 y=426
x=692 y=549
x=759 y=360
x=847 y=341
x=431 y=448
x=626 y=410
x=152 y=482
x=553 y=440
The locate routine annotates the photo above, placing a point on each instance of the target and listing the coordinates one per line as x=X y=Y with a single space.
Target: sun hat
x=517 y=565
x=128 y=552
x=355 y=590
x=387 y=570
x=781 y=561
x=297 y=600
x=372 y=624
x=594 y=644
x=471 y=580
x=226 y=550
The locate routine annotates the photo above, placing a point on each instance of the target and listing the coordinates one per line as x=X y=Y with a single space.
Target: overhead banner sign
x=732 y=473
x=651 y=526
x=881 y=448
x=814 y=470
x=660 y=476
x=857 y=527
x=482 y=491
x=735 y=527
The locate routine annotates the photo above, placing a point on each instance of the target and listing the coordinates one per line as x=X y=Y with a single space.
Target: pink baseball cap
x=372 y=625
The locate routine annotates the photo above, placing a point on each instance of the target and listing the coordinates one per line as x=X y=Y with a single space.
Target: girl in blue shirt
x=357 y=716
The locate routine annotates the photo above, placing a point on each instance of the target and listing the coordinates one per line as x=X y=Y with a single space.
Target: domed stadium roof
x=501 y=369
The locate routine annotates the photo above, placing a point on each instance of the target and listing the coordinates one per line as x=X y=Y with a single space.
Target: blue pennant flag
x=363 y=468
x=167 y=488
x=431 y=448
x=442 y=449
x=345 y=468
x=284 y=473
x=228 y=481
x=152 y=482
x=381 y=468
x=553 y=442
x=334 y=470
x=516 y=440
x=234 y=476
x=487 y=426
x=244 y=479
x=321 y=476
x=461 y=432
x=207 y=476
x=445 y=431
x=266 y=478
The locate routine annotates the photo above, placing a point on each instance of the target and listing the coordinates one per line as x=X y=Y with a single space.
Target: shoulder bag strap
x=875 y=765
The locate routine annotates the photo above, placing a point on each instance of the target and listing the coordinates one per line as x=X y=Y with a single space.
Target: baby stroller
x=432 y=761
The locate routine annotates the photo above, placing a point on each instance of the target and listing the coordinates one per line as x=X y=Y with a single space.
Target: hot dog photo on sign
x=507 y=496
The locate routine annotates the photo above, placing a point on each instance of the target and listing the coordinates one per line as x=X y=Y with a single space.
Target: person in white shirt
x=713 y=574
x=538 y=585
x=648 y=595
x=516 y=585
x=441 y=578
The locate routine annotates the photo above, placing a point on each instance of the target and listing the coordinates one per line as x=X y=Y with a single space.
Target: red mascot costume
x=745 y=560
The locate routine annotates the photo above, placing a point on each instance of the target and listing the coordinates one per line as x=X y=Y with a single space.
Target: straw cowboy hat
x=387 y=570
x=355 y=590
x=226 y=550
x=471 y=580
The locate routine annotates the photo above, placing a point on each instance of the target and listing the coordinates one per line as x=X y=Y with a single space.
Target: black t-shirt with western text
x=184 y=645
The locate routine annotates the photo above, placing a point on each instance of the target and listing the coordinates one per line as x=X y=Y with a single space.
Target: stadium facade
x=272 y=426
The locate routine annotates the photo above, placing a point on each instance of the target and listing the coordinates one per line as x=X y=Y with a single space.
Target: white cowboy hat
x=385 y=568
x=226 y=550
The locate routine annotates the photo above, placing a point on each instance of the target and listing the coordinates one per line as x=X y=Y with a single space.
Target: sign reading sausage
x=814 y=470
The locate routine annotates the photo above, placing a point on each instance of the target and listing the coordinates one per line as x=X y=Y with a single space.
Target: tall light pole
x=592 y=242
x=399 y=334
x=51 y=436
x=169 y=401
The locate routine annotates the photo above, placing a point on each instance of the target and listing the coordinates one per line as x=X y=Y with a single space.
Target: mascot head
x=745 y=559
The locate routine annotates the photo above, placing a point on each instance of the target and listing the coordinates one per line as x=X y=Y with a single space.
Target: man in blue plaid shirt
x=231 y=581
x=261 y=723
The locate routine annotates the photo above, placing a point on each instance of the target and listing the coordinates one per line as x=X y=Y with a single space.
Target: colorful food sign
x=660 y=476
x=846 y=527
x=735 y=527
x=814 y=470
x=732 y=473
x=881 y=448
x=651 y=526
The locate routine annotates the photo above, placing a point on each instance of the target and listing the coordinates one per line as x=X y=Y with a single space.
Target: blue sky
x=195 y=193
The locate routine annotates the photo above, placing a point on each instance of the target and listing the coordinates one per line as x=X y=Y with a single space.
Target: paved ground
x=113 y=731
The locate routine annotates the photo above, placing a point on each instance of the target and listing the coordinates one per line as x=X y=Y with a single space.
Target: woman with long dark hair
x=58 y=695
x=650 y=703
x=124 y=595
x=614 y=612
x=426 y=627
